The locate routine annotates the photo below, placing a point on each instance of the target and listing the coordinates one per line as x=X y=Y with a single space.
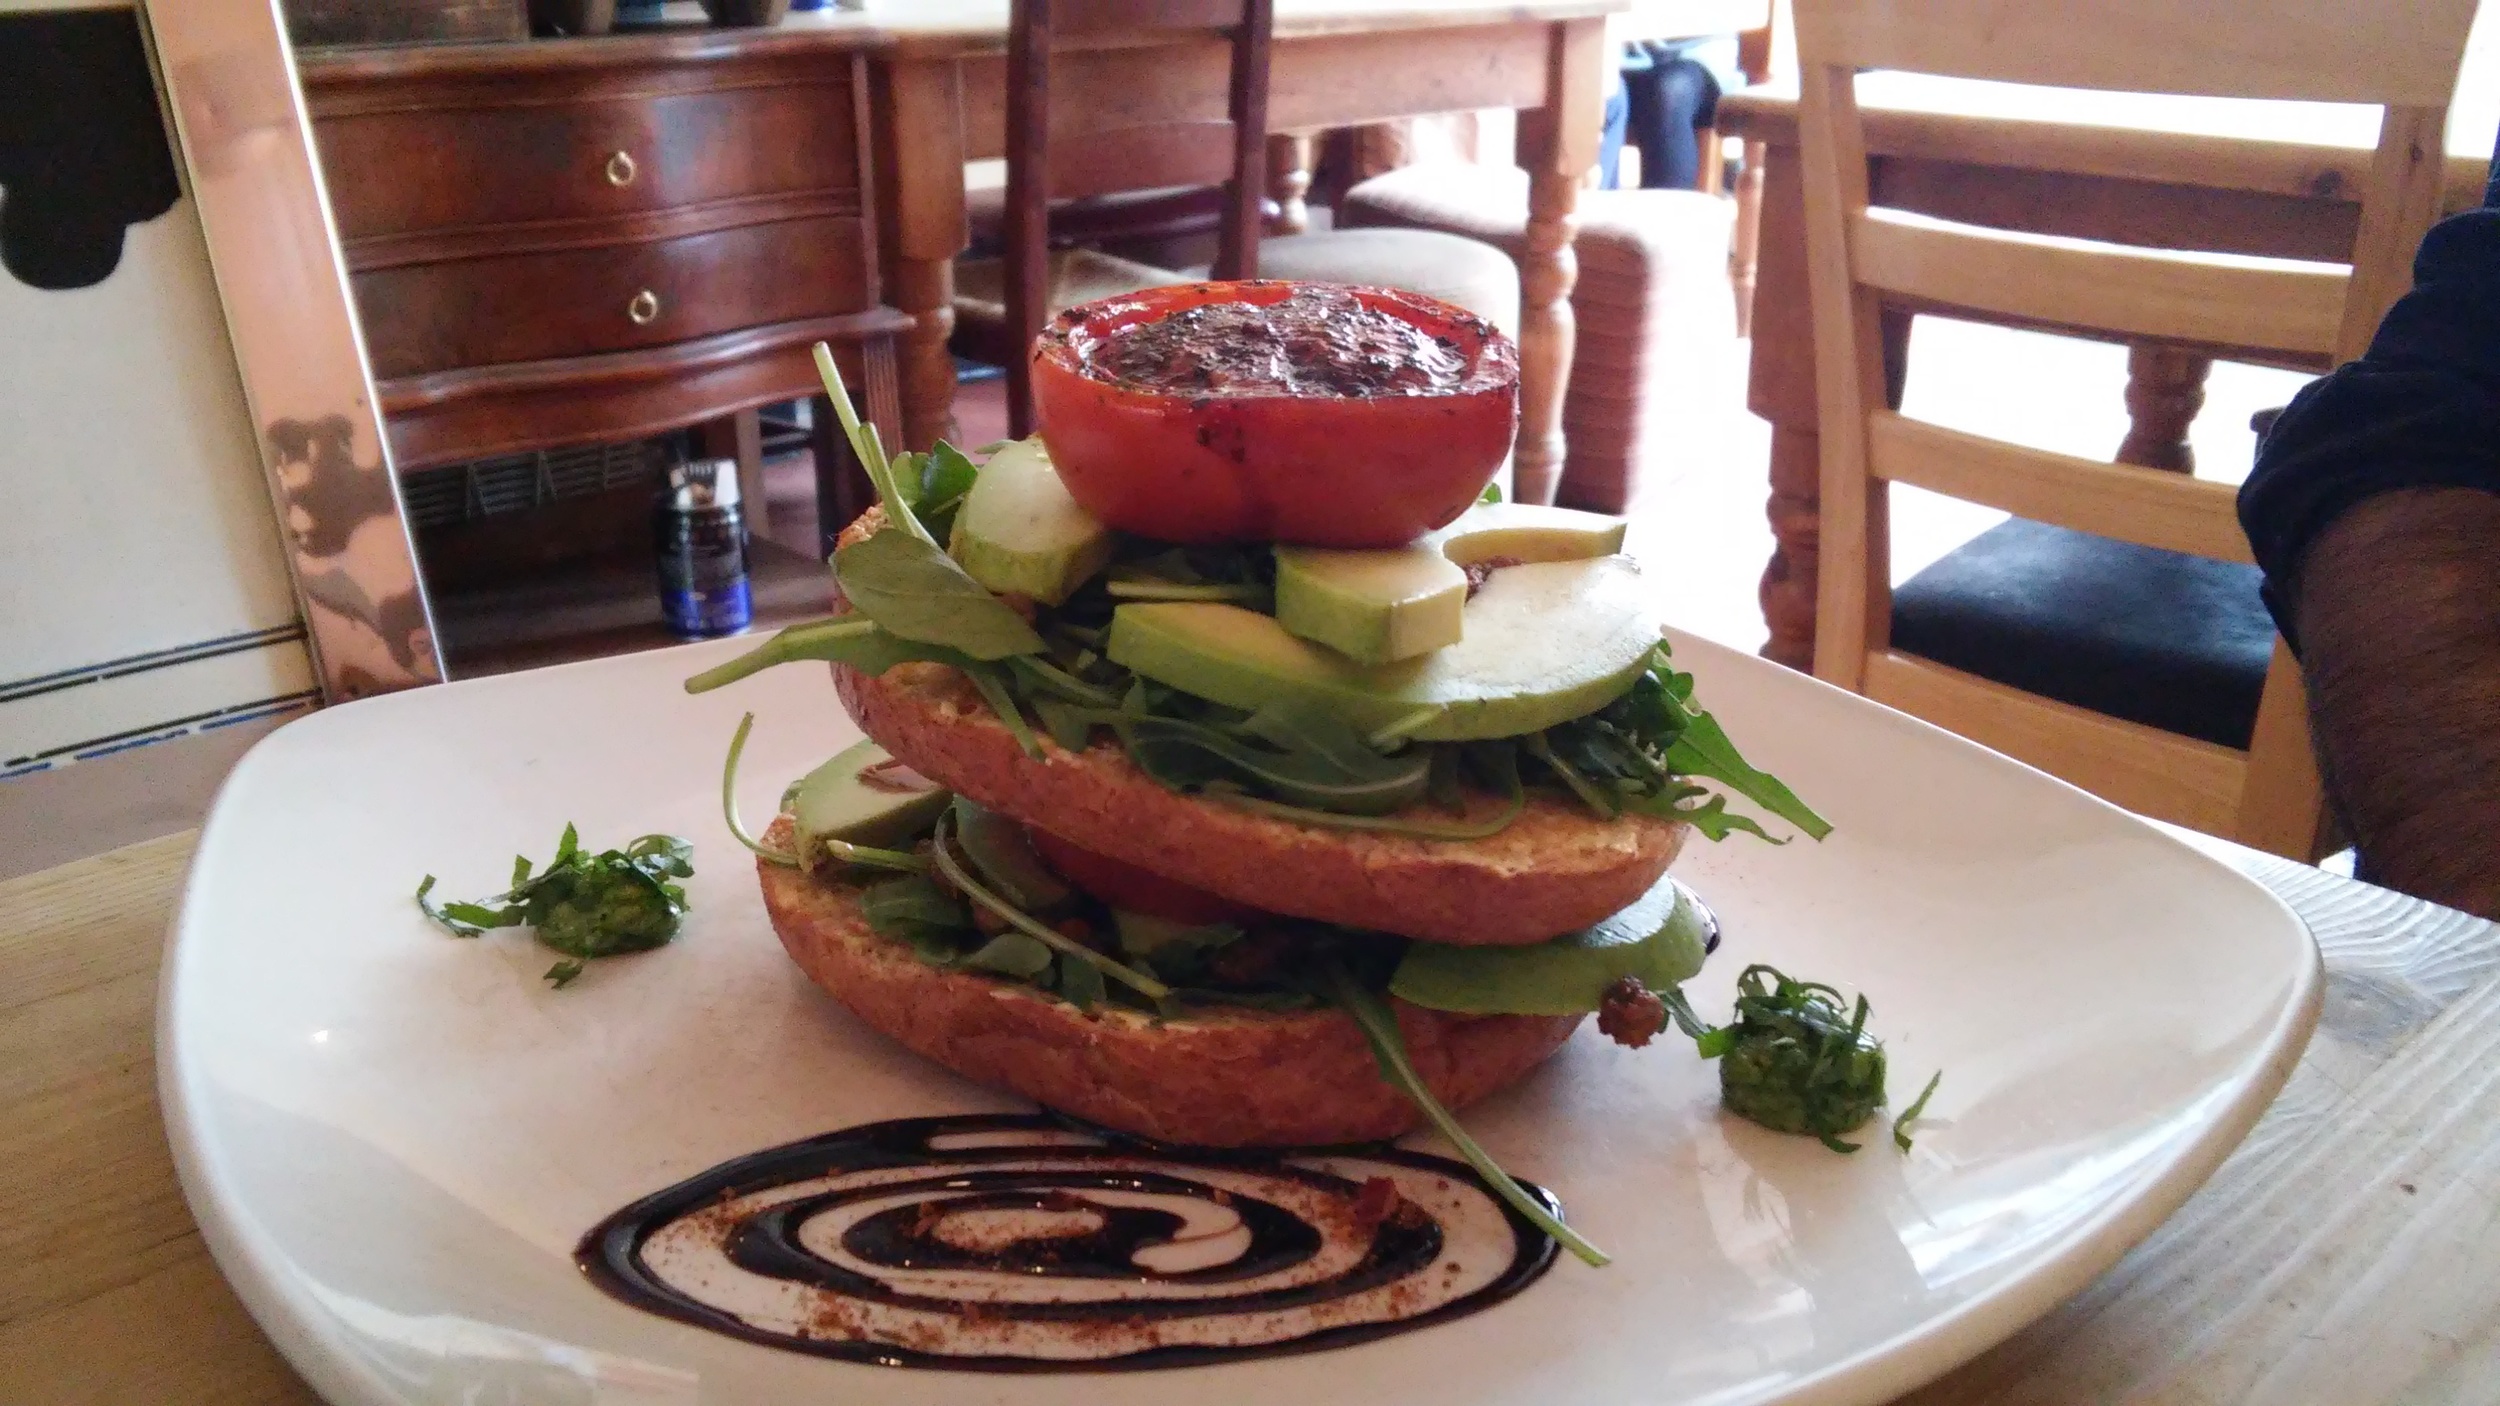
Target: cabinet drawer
x=576 y=302
x=414 y=170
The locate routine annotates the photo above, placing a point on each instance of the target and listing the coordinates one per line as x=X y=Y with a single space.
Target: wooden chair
x=1866 y=264
x=1157 y=151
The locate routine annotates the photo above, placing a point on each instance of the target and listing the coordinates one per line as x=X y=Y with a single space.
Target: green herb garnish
x=1916 y=1110
x=1797 y=1060
x=583 y=905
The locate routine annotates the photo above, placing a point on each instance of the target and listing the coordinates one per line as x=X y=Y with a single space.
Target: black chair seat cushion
x=2172 y=641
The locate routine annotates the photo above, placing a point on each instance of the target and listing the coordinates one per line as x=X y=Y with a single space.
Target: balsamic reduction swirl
x=1010 y=1243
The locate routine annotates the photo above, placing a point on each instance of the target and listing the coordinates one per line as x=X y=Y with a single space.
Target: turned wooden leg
x=1780 y=389
x=918 y=135
x=1289 y=182
x=842 y=488
x=2165 y=389
x=1548 y=268
x=1796 y=513
x=1557 y=144
x=925 y=288
x=1745 y=259
x=1759 y=53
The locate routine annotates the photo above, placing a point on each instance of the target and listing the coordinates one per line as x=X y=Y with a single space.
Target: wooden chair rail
x=2149 y=771
x=2149 y=507
x=1081 y=19
x=1115 y=160
x=2313 y=50
x=2150 y=294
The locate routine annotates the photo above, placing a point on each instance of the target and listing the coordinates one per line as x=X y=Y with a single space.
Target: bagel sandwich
x=1244 y=842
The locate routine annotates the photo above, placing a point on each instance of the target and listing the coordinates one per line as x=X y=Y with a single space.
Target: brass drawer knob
x=644 y=308
x=622 y=170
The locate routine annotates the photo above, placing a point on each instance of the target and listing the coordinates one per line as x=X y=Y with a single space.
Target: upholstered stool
x=2171 y=641
x=1655 y=313
x=1470 y=274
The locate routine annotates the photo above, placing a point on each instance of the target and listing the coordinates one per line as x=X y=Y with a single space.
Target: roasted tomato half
x=1275 y=412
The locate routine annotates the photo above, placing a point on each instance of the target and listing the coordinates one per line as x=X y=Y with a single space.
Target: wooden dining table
x=2272 y=179
x=2348 y=1252
x=940 y=99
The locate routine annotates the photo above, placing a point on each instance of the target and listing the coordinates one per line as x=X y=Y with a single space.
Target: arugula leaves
x=1644 y=751
x=915 y=591
x=935 y=483
x=1243 y=575
x=582 y=905
x=1380 y=1029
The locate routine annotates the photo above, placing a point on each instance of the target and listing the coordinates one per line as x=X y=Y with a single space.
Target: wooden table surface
x=2274 y=179
x=2348 y=1252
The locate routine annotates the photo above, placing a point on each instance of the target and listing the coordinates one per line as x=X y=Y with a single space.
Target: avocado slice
x=1528 y=532
x=1545 y=642
x=1659 y=941
x=1371 y=606
x=999 y=849
x=1019 y=532
x=1399 y=602
x=833 y=803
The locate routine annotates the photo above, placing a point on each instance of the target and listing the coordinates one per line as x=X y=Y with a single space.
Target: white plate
x=393 y=1139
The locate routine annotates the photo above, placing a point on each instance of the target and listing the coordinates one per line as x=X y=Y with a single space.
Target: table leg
x=1780 y=389
x=1757 y=55
x=919 y=146
x=1745 y=257
x=2165 y=389
x=842 y=488
x=1796 y=514
x=1557 y=144
x=1289 y=182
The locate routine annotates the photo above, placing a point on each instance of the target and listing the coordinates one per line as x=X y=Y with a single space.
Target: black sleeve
x=2420 y=410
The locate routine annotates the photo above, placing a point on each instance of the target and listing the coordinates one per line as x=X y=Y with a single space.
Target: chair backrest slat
x=2149 y=507
x=1044 y=164
x=2157 y=294
x=2185 y=780
x=2401 y=55
x=1111 y=160
x=1088 y=19
x=2390 y=52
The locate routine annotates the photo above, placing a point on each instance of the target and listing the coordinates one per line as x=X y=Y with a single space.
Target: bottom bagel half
x=1221 y=1077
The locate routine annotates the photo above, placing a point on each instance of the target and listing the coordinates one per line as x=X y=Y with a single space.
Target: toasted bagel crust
x=1555 y=869
x=1222 y=1078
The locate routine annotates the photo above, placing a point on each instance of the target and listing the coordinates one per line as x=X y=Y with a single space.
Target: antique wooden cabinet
x=574 y=240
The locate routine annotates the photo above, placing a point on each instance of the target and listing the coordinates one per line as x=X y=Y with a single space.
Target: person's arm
x=2375 y=511
x=2398 y=614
